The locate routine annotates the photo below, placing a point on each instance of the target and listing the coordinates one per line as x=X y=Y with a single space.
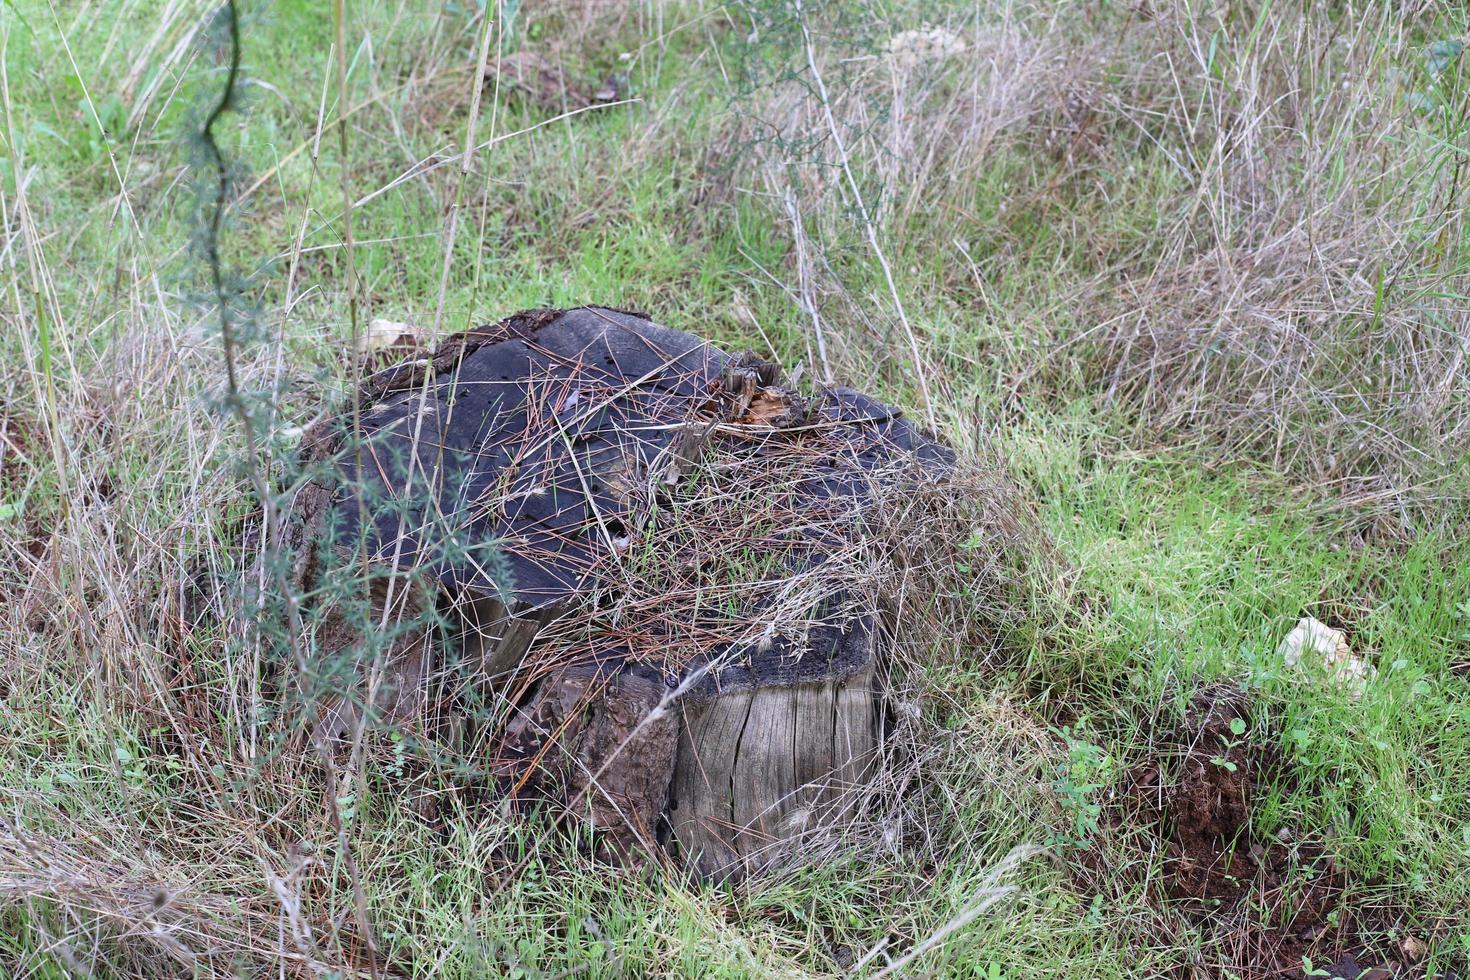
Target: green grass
x=1187 y=549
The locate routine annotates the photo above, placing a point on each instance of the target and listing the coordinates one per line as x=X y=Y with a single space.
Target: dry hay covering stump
x=656 y=558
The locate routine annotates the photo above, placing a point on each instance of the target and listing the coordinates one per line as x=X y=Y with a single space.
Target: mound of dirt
x=1267 y=905
x=1209 y=802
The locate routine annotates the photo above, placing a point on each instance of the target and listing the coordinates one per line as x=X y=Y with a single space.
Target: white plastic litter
x=1314 y=644
x=382 y=334
x=909 y=49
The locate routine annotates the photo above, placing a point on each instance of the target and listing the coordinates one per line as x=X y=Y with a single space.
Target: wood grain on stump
x=653 y=551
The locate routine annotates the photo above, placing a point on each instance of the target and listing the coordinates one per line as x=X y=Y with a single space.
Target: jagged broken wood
x=652 y=552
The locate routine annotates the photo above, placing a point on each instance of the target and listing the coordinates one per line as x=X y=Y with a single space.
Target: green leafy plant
x=1309 y=970
x=1088 y=769
x=1237 y=729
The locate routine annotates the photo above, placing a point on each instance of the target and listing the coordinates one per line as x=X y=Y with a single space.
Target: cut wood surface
x=652 y=551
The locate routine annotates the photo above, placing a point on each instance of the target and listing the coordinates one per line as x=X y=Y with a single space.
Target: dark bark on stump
x=517 y=469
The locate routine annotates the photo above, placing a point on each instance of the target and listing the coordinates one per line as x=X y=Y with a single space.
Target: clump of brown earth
x=1266 y=905
x=1208 y=805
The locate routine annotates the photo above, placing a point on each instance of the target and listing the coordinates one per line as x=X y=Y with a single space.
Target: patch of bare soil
x=1267 y=906
x=1208 y=804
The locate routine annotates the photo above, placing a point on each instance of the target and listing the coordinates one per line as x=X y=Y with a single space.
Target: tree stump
x=652 y=552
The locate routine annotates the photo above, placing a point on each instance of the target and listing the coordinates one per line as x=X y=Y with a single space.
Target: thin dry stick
x=48 y=317
x=127 y=204
x=466 y=160
x=268 y=556
x=993 y=893
x=314 y=142
x=437 y=162
x=872 y=232
x=341 y=19
x=359 y=895
x=804 y=279
x=494 y=121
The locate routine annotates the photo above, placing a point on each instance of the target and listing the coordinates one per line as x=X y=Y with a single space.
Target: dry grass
x=1297 y=298
x=1307 y=308
x=1237 y=235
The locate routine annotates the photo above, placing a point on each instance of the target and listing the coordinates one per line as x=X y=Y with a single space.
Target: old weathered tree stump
x=655 y=556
